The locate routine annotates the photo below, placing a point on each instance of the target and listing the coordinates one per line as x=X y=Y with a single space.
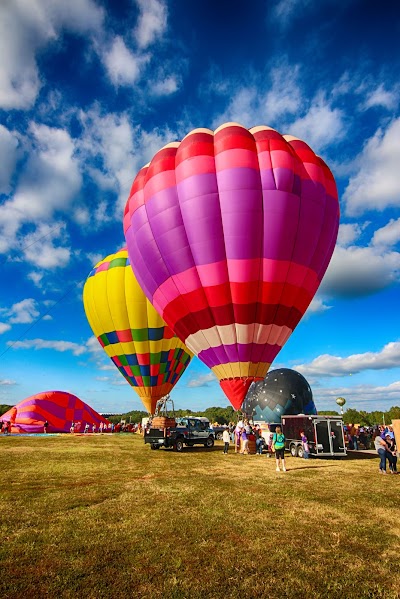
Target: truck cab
x=185 y=431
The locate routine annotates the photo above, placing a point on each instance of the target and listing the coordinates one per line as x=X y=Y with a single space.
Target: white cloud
x=23 y=312
x=348 y=233
x=121 y=150
x=93 y=346
x=50 y=182
x=60 y=346
x=332 y=366
x=317 y=306
x=284 y=11
x=357 y=271
x=123 y=66
x=8 y=153
x=48 y=254
x=7 y=382
x=389 y=235
x=26 y=26
x=4 y=327
x=165 y=87
x=202 y=380
x=382 y=98
x=284 y=96
x=152 y=22
x=360 y=397
x=376 y=184
x=321 y=126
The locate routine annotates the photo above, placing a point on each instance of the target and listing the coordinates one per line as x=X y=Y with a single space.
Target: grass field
x=104 y=516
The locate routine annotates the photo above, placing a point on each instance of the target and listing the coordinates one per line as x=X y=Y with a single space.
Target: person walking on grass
x=226 y=439
x=278 y=441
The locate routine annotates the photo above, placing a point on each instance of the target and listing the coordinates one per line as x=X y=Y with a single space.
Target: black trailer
x=325 y=435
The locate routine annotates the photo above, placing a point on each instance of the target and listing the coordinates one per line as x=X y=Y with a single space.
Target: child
x=226 y=439
x=306 y=447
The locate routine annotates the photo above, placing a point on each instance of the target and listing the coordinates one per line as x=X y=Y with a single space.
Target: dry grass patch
x=104 y=516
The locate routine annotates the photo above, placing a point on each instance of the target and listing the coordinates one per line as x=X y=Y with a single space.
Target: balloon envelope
x=229 y=234
x=283 y=391
x=58 y=408
x=131 y=332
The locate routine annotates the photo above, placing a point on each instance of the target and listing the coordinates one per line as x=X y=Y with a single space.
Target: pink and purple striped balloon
x=229 y=234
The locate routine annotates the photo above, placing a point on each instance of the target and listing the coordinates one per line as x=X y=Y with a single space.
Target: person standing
x=381 y=447
x=391 y=454
x=45 y=426
x=306 y=447
x=259 y=441
x=278 y=441
x=226 y=439
x=245 y=442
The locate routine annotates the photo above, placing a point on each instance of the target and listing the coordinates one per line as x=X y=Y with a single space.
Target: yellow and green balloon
x=143 y=348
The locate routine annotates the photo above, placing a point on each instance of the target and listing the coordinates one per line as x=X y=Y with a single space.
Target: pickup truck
x=189 y=431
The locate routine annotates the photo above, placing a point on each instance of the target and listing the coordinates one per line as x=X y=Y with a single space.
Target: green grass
x=104 y=516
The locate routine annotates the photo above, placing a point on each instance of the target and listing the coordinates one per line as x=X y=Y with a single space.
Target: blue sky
x=91 y=89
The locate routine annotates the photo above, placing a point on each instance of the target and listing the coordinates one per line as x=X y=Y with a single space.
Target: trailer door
x=323 y=444
x=337 y=437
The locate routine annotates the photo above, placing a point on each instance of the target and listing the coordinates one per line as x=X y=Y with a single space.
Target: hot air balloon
x=282 y=392
x=229 y=234
x=134 y=336
x=58 y=408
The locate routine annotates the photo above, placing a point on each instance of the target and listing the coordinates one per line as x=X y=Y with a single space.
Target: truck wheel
x=155 y=446
x=178 y=445
x=209 y=443
x=218 y=436
x=300 y=451
x=293 y=450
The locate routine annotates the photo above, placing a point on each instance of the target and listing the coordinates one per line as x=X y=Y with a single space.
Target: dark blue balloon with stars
x=282 y=392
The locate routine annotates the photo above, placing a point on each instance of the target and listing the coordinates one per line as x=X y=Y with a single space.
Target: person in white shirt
x=226 y=439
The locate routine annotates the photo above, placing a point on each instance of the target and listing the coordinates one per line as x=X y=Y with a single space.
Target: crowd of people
x=248 y=439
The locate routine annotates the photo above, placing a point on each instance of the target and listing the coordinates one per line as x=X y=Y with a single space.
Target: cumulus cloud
x=165 y=87
x=4 y=327
x=356 y=271
x=60 y=346
x=8 y=153
x=202 y=380
x=120 y=150
x=389 y=235
x=375 y=186
x=152 y=22
x=333 y=366
x=379 y=97
x=50 y=182
x=23 y=312
x=348 y=233
x=26 y=26
x=123 y=66
x=282 y=103
x=361 y=397
x=321 y=126
x=48 y=254
x=317 y=305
